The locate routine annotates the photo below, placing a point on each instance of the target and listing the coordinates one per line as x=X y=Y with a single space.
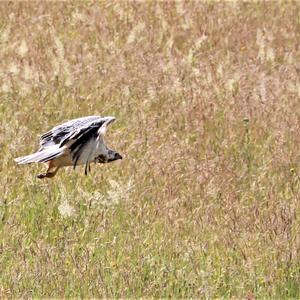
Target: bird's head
x=111 y=156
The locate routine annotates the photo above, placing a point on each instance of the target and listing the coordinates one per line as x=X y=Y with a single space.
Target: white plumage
x=76 y=142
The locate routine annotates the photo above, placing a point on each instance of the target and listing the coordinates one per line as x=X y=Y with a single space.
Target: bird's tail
x=40 y=156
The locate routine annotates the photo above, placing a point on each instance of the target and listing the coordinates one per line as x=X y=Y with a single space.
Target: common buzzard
x=76 y=142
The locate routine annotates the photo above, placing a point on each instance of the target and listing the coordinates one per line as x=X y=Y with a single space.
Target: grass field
x=205 y=203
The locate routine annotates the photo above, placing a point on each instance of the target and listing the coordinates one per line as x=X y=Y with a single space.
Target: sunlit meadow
x=206 y=202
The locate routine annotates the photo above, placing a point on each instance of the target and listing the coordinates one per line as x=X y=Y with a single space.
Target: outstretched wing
x=60 y=132
x=86 y=141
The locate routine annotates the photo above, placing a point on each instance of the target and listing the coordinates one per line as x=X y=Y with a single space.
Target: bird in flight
x=76 y=142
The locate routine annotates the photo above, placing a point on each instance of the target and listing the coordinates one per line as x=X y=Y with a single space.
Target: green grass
x=205 y=203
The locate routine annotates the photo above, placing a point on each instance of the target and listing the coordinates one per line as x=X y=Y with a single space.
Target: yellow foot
x=48 y=174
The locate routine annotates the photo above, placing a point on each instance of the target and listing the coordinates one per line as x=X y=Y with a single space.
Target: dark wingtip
x=87 y=168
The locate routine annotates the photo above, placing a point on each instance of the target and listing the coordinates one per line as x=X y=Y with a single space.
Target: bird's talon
x=41 y=176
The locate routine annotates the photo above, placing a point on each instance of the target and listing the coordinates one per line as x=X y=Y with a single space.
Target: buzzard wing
x=60 y=132
x=86 y=140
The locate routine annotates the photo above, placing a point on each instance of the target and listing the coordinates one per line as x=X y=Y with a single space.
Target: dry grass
x=206 y=201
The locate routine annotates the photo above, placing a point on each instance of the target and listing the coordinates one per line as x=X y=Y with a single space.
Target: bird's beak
x=118 y=156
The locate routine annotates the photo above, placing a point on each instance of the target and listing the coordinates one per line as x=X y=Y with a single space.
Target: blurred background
x=205 y=202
